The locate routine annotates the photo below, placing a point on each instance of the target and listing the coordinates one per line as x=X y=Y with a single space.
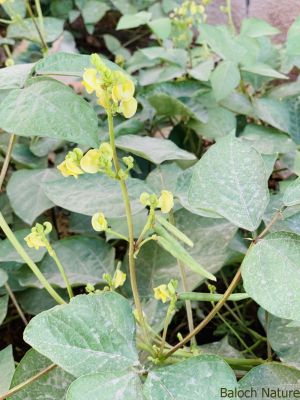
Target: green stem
x=132 y=272
x=7 y=160
x=34 y=268
x=61 y=269
x=42 y=39
x=119 y=235
x=229 y=16
x=194 y=296
x=40 y=17
x=15 y=303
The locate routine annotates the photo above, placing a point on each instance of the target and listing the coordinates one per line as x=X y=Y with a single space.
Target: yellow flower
x=145 y=199
x=193 y=8
x=34 y=240
x=71 y=165
x=90 y=162
x=2 y=1
x=119 y=279
x=128 y=107
x=90 y=80
x=9 y=61
x=123 y=91
x=162 y=293
x=166 y=201
x=99 y=222
x=106 y=151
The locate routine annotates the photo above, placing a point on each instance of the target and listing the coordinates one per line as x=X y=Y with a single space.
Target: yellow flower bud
x=119 y=279
x=128 y=161
x=9 y=61
x=145 y=199
x=166 y=201
x=90 y=80
x=99 y=222
x=162 y=293
x=106 y=151
x=34 y=240
x=71 y=165
x=90 y=162
x=193 y=8
x=123 y=91
x=128 y=107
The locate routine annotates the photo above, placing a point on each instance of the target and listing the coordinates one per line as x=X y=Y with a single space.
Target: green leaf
x=158 y=75
x=203 y=376
x=55 y=111
x=285 y=340
x=239 y=103
x=85 y=260
x=164 y=176
x=224 y=79
x=52 y=385
x=90 y=334
x=272 y=376
x=9 y=254
x=274 y=112
x=294 y=118
x=202 y=71
x=161 y=27
x=264 y=70
x=68 y=64
x=3 y=313
x=133 y=21
x=267 y=140
x=255 y=27
x=293 y=42
x=230 y=180
x=3 y=277
x=93 y=11
x=7 y=367
x=33 y=301
x=25 y=29
x=175 y=56
x=26 y=193
x=115 y=46
x=292 y=194
x=90 y=194
x=14 y=77
x=16 y=7
x=121 y=386
x=271 y=274
x=153 y=149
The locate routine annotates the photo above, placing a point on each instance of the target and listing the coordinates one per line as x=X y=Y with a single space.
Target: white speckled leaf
x=285 y=340
x=90 y=194
x=85 y=260
x=101 y=386
x=199 y=378
x=55 y=111
x=52 y=386
x=26 y=194
x=92 y=333
x=292 y=194
x=3 y=277
x=153 y=149
x=7 y=368
x=271 y=274
x=15 y=76
x=230 y=180
x=271 y=376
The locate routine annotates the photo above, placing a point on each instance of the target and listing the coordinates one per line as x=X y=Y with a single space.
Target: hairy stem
x=15 y=303
x=22 y=385
x=63 y=274
x=7 y=160
x=34 y=268
x=41 y=36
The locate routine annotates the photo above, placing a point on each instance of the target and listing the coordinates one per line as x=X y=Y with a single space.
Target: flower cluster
x=114 y=89
x=166 y=292
x=165 y=202
x=37 y=237
x=116 y=281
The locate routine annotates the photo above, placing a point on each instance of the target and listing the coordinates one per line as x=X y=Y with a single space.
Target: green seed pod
x=175 y=231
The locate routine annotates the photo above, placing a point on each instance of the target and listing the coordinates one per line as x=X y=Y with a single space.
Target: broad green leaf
x=264 y=70
x=271 y=274
x=55 y=111
x=85 y=260
x=155 y=266
x=239 y=103
x=153 y=149
x=92 y=333
x=26 y=193
x=164 y=177
x=274 y=112
x=199 y=378
x=161 y=27
x=16 y=7
x=292 y=194
x=42 y=146
x=22 y=156
x=9 y=254
x=267 y=140
x=285 y=340
x=293 y=105
x=290 y=89
x=119 y=386
x=115 y=46
x=159 y=75
x=3 y=311
x=202 y=71
x=133 y=21
x=90 y=194
x=93 y=11
x=51 y=386
x=14 y=77
x=25 y=29
x=3 y=277
x=230 y=180
x=273 y=377
x=61 y=9
x=221 y=348
x=175 y=56
x=33 y=301
x=255 y=27
x=7 y=368
x=293 y=43
x=68 y=64
x=224 y=79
